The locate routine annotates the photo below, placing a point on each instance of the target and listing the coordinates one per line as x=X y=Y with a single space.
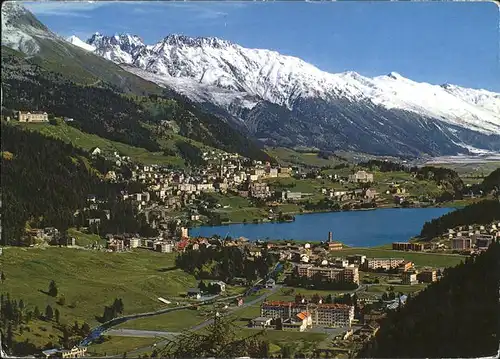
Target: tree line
x=225 y=263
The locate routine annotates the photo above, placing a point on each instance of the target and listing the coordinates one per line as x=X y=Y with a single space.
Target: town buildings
x=76 y=352
x=461 y=243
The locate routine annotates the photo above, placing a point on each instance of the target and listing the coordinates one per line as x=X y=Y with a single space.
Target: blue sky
x=436 y=42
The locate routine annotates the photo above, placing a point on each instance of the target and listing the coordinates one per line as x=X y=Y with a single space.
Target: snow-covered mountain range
x=242 y=82
x=282 y=100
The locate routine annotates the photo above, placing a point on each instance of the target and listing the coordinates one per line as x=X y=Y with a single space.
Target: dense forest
x=459 y=316
x=225 y=263
x=483 y=212
x=101 y=109
x=387 y=166
x=43 y=181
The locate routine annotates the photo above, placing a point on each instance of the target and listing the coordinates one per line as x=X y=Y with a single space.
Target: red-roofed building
x=181 y=245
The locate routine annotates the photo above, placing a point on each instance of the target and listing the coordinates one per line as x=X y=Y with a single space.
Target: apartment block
x=333 y=315
x=461 y=243
x=384 y=263
x=407 y=246
x=349 y=274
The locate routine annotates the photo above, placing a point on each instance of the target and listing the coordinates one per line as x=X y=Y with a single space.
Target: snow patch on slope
x=196 y=92
x=77 y=42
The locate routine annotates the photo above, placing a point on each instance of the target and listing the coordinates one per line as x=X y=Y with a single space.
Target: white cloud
x=66 y=8
x=202 y=10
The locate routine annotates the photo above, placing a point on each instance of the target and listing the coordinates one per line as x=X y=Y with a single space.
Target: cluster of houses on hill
x=470 y=239
x=173 y=190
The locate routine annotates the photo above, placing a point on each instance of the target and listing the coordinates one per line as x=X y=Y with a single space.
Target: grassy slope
x=87 y=141
x=115 y=345
x=176 y=321
x=91 y=280
x=84 y=239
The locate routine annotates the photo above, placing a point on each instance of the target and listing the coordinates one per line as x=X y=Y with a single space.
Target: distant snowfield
x=465 y=159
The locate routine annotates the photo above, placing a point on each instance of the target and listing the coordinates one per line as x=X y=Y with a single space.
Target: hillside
x=102 y=111
x=41 y=71
x=459 y=316
x=43 y=181
x=491 y=182
x=87 y=141
x=88 y=280
x=483 y=212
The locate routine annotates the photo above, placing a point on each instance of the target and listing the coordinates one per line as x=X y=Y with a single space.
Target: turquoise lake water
x=354 y=228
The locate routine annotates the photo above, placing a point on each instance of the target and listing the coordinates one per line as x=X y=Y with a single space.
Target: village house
x=194 y=293
x=221 y=285
x=259 y=190
x=116 y=245
x=361 y=177
x=301 y=322
x=95 y=151
x=370 y=194
x=164 y=247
